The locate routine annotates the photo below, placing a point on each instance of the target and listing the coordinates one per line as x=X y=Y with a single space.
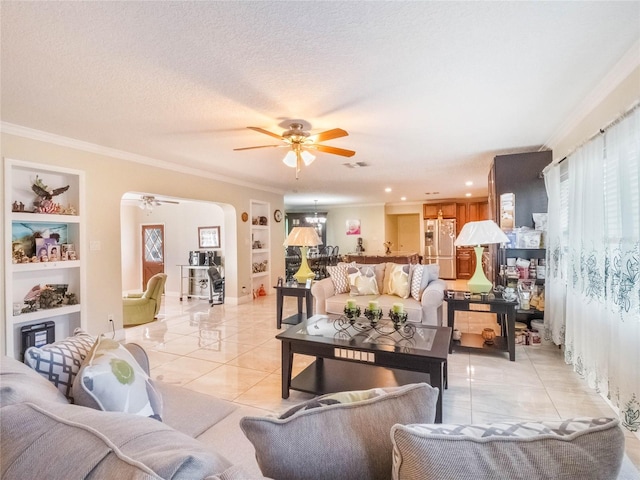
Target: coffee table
x=349 y=359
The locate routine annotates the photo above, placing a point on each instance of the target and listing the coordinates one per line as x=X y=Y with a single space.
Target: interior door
x=152 y=252
x=409 y=233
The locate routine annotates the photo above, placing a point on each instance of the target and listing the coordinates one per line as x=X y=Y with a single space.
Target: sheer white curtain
x=555 y=240
x=594 y=264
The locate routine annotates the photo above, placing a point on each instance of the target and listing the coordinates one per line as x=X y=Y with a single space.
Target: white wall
x=372 y=223
x=181 y=222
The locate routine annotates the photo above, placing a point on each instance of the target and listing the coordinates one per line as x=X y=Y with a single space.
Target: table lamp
x=303 y=237
x=476 y=234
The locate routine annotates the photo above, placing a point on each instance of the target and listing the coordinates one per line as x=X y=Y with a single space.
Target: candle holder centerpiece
x=397 y=315
x=346 y=323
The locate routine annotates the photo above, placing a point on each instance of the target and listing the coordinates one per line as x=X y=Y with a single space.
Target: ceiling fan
x=301 y=142
x=147 y=202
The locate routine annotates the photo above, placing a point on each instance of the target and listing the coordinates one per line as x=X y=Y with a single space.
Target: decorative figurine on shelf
x=43 y=202
x=387 y=246
x=71 y=299
x=48 y=298
x=17 y=207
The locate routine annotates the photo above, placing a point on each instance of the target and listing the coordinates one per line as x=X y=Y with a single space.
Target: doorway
x=152 y=252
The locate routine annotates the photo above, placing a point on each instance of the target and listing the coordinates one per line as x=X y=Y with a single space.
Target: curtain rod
x=601 y=131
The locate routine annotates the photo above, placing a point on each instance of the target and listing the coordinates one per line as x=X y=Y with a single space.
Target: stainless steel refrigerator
x=439 y=236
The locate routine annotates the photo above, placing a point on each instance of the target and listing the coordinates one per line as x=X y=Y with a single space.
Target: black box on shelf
x=37 y=335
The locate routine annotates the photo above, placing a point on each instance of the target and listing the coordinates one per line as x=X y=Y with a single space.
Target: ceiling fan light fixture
x=307 y=157
x=290 y=159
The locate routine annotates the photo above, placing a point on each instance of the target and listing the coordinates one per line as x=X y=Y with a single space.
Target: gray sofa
x=428 y=310
x=200 y=437
x=43 y=436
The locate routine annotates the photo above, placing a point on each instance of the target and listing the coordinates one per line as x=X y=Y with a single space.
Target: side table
x=475 y=304
x=299 y=291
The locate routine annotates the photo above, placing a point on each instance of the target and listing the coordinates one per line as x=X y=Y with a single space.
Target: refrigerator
x=439 y=236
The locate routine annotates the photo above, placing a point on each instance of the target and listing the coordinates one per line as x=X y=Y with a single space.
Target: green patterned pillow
x=111 y=380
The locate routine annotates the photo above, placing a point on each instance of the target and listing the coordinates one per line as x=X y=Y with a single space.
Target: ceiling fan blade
x=261 y=146
x=328 y=135
x=333 y=150
x=267 y=132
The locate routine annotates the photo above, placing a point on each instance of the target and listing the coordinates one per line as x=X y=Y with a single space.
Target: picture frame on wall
x=209 y=237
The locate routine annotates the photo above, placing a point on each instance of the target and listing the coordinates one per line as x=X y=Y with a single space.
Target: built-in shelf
x=23 y=229
x=261 y=235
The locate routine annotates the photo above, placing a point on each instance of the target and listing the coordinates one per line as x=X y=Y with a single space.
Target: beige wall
x=107 y=179
x=616 y=103
x=372 y=223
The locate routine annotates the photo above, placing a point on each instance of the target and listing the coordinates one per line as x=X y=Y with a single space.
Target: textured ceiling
x=428 y=91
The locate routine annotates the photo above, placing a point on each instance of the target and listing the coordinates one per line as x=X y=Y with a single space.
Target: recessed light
x=388 y=189
x=467 y=194
x=403 y=198
x=469 y=183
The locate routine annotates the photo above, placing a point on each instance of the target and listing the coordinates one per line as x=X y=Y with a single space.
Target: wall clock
x=245 y=216
x=277 y=216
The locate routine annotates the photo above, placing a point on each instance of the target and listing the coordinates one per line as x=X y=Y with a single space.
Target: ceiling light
x=403 y=198
x=467 y=194
x=469 y=183
x=307 y=157
x=387 y=189
x=290 y=159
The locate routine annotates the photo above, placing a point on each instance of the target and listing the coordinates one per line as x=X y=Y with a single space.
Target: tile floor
x=229 y=351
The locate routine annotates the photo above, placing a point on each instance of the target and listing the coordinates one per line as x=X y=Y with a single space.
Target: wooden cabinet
x=465 y=262
x=432 y=210
x=470 y=212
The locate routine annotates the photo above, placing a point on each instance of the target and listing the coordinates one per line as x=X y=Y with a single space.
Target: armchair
x=143 y=308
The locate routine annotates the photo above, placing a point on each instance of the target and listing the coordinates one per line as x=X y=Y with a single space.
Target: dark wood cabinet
x=433 y=210
x=465 y=262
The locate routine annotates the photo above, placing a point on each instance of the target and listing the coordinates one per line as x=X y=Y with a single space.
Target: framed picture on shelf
x=65 y=248
x=209 y=237
x=53 y=252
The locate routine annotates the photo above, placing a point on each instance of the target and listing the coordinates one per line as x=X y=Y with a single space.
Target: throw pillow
x=111 y=380
x=346 y=440
x=21 y=384
x=362 y=281
x=416 y=281
x=430 y=273
x=59 y=362
x=339 y=276
x=396 y=280
x=584 y=448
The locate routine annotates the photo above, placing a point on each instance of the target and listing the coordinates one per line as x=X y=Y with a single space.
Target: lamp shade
x=480 y=233
x=303 y=237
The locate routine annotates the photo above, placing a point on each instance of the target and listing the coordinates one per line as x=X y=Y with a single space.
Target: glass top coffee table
x=357 y=356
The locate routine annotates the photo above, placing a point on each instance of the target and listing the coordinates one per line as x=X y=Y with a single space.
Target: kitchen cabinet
x=465 y=262
x=44 y=250
x=470 y=212
x=432 y=210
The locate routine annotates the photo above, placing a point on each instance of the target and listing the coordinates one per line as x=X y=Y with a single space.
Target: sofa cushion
x=45 y=441
x=60 y=362
x=396 y=280
x=584 y=448
x=362 y=280
x=430 y=273
x=19 y=384
x=110 y=379
x=345 y=440
x=339 y=276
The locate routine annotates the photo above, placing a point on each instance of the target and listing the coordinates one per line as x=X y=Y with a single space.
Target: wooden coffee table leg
x=287 y=365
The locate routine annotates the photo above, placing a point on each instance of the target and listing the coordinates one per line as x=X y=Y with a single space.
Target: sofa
x=368 y=435
x=416 y=287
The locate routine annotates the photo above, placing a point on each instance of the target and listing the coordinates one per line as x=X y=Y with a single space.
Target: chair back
x=155 y=286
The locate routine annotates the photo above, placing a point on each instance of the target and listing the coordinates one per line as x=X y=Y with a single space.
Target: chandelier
x=316 y=220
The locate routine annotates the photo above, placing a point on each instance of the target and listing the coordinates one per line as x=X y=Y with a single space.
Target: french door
x=152 y=252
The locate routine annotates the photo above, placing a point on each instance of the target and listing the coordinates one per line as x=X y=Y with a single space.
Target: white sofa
x=427 y=311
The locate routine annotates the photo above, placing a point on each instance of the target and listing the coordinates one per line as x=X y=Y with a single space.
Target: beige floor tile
x=517 y=401
x=221 y=352
x=267 y=394
x=262 y=359
x=227 y=382
x=182 y=370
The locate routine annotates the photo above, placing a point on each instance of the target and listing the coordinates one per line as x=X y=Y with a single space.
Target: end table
x=299 y=291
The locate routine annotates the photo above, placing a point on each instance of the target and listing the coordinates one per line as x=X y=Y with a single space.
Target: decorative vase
x=489 y=335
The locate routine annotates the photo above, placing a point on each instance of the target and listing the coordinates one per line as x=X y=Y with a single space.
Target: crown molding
x=621 y=70
x=39 y=135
